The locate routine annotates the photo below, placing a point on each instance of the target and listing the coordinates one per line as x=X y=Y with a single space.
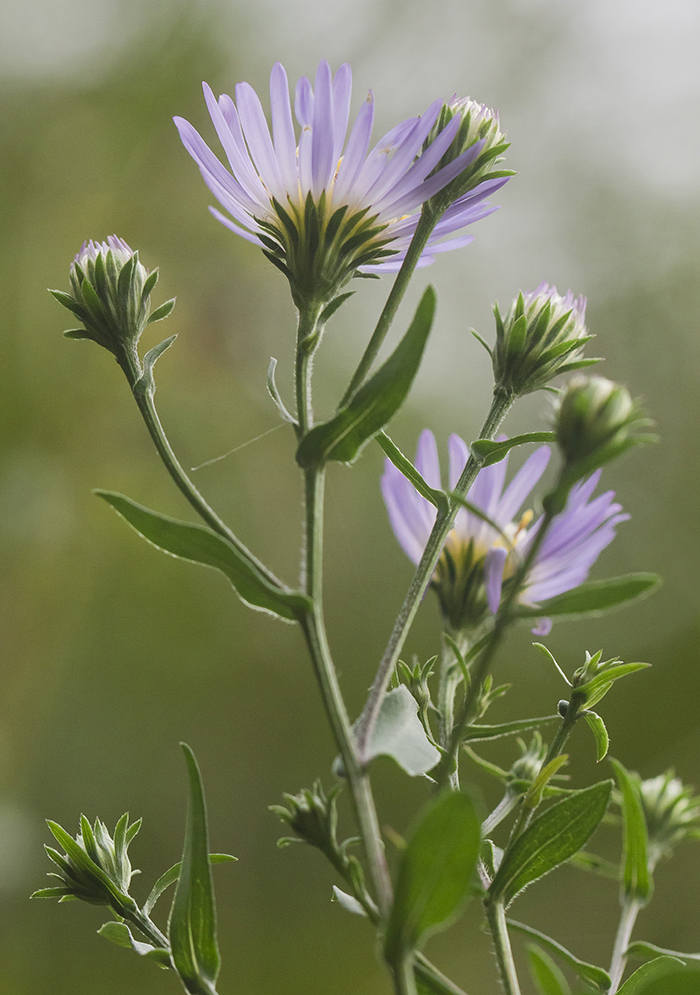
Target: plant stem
x=422 y=577
x=313 y=627
x=143 y=394
x=148 y=928
x=630 y=911
x=496 y=914
x=404 y=978
x=424 y=228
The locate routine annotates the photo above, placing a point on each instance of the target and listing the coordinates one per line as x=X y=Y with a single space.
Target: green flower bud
x=541 y=336
x=110 y=294
x=672 y=813
x=313 y=816
x=95 y=867
x=528 y=765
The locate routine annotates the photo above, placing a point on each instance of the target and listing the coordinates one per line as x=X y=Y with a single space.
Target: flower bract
x=480 y=557
x=321 y=203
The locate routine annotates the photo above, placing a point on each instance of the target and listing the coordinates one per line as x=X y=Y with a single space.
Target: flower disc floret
x=482 y=554
x=322 y=205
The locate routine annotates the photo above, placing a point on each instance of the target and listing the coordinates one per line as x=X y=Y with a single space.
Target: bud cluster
x=671 y=811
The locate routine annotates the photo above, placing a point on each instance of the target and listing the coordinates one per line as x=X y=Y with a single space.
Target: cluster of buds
x=541 y=336
x=95 y=867
x=110 y=295
x=671 y=811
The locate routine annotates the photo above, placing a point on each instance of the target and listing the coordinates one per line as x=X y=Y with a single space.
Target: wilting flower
x=322 y=207
x=481 y=557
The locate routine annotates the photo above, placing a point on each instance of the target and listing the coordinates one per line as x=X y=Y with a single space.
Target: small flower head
x=479 y=134
x=322 y=205
x=483 y=551
x=672 y=813
x=313 y=816
x=110 y=294
x=95 y=867
x=528 y=765
x=541 y=336
x=595 y=420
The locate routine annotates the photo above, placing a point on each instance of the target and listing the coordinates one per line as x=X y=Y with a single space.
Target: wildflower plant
x=499 y=549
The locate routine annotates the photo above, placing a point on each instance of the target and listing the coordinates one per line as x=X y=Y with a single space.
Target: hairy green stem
x=424 y=228
x=148 y=928
x=630 y=911
x=423 y=575
x=496 y=915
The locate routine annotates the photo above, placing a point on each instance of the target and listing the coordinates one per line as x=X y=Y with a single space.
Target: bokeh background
x=113 y=653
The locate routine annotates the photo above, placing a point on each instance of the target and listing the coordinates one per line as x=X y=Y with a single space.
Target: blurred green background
x=114 y=653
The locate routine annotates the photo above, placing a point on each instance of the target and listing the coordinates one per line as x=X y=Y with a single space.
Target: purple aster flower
x=323 y=205
x=479 y=558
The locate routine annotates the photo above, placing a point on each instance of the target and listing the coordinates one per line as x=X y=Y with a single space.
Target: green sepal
x=435 y=873
x=163 y=311
x=636 y=880
x=192 y=924
x=553 y=837
x=493 y=452
x=600 y=734
x=648 y=974
x=399 y=734
x=77 y=333
x=596 y=977
x=595 y=597
x=199 y=544
x=120 y=934
x=375 y=403
x=171 y=876
x=336 y=303
x=436 y=497
x=546 y=975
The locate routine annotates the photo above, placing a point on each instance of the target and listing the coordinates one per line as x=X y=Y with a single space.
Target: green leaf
x=598 y=686
x=641 y=950
x=152 y=357
x=349 y=903
x=594 y=976
x=163 y=311
x=534 y=794
x=636 y=882
x=602 y=740
x=120 y=934
x=552 y=838
x=275 y=394
x=545 y=973
x=594 y=597
x=479 y=733
x=171 y=876
x=435 y=873
x=399 y=734
x=644 y=978
x=595 y=864
x=192 y=925
x=436 y=497
x=375 y=403
x=200 y=545
x=493 y=452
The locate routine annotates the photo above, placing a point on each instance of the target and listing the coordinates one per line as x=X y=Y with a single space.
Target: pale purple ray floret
x=571 y=546
x=389 y=182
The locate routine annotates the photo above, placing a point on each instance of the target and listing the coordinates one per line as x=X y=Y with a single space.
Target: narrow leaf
x=275 y=394
x=171 y=876
x=120 y=934
x=553 y=837
x=656 y=970
x=375 y=403
x=153 y=355
x=600 y=733
x=399 y=734
x=594 y=597
x=594 y=976
x=192 y=925
x=493 y=452
x=641 y=950
x=163 y=311
x=479 y=733
x=437 y=498
x=635 y=879
x=435 y=873
x=200 y=545
x=545 y=973
x=349 y=903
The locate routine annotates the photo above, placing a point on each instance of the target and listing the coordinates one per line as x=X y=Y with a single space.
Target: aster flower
x=322 y=206
x=480 y=558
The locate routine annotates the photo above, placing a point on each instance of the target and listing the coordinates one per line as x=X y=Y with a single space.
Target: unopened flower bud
x=95 y=867
x=313 y=816
x=541 y=336
x=528 y=765
x=110 y=294
x=672 y=813
x=479 y=142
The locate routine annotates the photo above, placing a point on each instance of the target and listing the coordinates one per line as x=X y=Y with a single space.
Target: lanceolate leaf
x=435 y=873
x=171 y=876
x=594 y=976
x=436 y=497
x=552 y=838
x=477 y=733
x=641 y=950
x=660 y=970
x=200 y=545
x=494 y=452
x=375 y=403
x=594 y=597
x=545 y=973
x=192 y=926
x=636 y=880
x=600 y=733
x=120 y=934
